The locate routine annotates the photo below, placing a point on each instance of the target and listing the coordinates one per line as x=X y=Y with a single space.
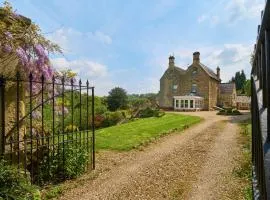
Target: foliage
x=138 y=101
x=21 y=39
x=67 y=74
x=141 y=131
x=239 y=79
x=112 y=118
x=149 y=112
x=117 y=99
x=247 y=88
x=229 y=111
x=53 y=192
x=68 y=162
x=14 y=185
x=243 y=170
x=252 y=56
x=99 y=121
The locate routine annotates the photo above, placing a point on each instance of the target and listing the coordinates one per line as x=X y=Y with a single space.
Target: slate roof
x=226 y=88
x=180 y=69
x=210 y=72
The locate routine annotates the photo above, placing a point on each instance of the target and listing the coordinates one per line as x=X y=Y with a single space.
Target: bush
x=15 y=186
x=99 y=110
x=149 y=112
x=112 y=118
x=99 y=120
x=68 y=163
x=229 y=111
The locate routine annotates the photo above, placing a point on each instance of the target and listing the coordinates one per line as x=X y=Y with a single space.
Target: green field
x=134 y=134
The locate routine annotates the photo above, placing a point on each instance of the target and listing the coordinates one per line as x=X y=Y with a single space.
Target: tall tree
x=240 y=80
x=248 y=88
x=117 y=99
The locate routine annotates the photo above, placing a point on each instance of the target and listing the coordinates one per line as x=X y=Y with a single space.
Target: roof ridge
x=209 y=71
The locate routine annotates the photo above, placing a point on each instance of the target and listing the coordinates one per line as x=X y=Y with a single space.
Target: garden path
x=196 y=164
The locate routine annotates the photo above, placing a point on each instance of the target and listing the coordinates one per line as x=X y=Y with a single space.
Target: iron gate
x=44 y=120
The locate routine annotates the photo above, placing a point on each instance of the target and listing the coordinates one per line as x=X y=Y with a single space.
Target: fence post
x=93 y=127
x=2 y=116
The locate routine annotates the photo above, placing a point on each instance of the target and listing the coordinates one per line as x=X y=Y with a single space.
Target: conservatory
x=188 y=103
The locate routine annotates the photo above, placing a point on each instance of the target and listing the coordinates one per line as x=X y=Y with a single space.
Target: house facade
x=243 y=102
x=196 y=88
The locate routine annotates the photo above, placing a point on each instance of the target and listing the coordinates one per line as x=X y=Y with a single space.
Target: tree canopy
x=117 y=99
x=248 y=87
x=240 y=80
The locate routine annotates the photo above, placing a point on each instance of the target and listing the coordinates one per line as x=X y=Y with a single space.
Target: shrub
x=229 y=111
x=99 y=110
x=71 y=128
x=112 y=118
x=68 y=163
x=149 y=112
x=236 y=112
x=14 y=185
x=99 y=120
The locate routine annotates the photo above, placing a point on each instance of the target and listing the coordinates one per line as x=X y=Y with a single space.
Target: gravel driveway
x=195 y=164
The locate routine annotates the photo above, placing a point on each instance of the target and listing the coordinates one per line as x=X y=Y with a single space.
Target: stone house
x=243 y=102
x=196 y=88
x=227 y=96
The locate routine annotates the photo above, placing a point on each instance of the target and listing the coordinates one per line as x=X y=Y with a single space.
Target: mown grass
x=243 y=171
x=142 y=131
x=131 y=135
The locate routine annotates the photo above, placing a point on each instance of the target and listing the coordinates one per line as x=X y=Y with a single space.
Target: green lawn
x=133 y=134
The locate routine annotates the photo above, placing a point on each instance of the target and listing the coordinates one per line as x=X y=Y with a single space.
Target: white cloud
x=72 y=41
x=82 y=67
x=230 y=57
x=102 y=37
x=96 y=73
x=232 y=11
x=243 y=9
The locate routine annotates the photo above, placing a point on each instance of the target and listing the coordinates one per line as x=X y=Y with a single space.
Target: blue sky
x=127 y=43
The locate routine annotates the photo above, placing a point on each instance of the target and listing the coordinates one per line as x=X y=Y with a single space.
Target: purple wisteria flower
x=39 y=50
x=7 y=48
x=36 y=115
x=8 y=35
x=22 y=56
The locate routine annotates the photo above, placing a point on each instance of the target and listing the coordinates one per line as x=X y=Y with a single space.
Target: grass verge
x=243 y=170
x=131 y=135
x=126 y=137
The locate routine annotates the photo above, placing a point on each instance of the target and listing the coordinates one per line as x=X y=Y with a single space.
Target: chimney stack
x=171 y=61
x=218 y=72
x=196 y=57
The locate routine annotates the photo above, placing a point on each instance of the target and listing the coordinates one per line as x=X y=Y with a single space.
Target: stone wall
x=213 y=92
x=9 y=70
x=201 y=79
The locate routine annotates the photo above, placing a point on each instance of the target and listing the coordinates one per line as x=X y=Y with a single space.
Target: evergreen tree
x=117 y=99
x=248 y=88
x=240 y=80
x=237 y=79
